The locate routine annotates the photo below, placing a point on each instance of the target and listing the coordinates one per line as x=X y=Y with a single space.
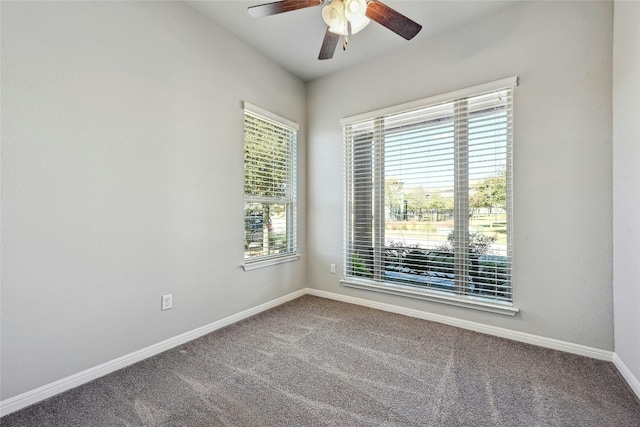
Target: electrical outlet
x=333 y=269
x=167 y=302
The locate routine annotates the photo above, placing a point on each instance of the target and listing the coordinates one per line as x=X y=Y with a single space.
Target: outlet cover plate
x=167 y=302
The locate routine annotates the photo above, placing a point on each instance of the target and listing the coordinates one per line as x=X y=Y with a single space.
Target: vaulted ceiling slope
x=293 y=39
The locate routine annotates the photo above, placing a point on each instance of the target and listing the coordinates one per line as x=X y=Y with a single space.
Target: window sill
x=252 y=265
x=432 y=295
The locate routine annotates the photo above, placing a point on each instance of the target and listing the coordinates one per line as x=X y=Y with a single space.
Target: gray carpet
x=317 y=362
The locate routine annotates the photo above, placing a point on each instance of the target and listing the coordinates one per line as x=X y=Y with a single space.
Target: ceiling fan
x=344 y=17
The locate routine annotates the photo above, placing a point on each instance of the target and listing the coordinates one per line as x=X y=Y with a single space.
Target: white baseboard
x=633 y=382
x=473 y=326
x=25 y=399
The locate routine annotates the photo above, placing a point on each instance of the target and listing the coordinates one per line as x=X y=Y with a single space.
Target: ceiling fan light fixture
x=354 y=10
x=339 y=15
x=343 y=17
x=333 y=14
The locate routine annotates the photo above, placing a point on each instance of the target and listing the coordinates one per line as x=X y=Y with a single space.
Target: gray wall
x=626 y=183
x=562 y=157
x=122 y=160
x=122 y=174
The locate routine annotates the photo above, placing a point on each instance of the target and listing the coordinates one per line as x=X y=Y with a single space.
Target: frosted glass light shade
x=354 y=10
x=333 y=14
x=340 y=13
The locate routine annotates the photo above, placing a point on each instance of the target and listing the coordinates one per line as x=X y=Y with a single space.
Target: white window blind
x=270 y=144
x=428 y=195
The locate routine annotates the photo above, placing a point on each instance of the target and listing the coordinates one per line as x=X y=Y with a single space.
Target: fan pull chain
x=346 y=42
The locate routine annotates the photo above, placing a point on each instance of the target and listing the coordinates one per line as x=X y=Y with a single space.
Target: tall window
x=428 y=196
x=269 y=187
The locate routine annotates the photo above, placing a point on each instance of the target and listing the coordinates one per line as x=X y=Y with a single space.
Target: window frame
x=376 y=281
x=288 y=199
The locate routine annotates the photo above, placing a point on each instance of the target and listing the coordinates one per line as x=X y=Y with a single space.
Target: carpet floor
x=318 y=362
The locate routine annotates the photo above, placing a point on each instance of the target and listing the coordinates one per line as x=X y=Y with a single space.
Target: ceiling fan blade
x=329 y=45
x=395 y=21
x=274 y=8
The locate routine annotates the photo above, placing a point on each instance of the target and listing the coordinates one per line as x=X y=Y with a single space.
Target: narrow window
x=428 y=198
x=269 y=188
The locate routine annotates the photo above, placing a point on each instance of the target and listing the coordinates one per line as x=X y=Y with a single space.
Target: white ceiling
x=293 y=39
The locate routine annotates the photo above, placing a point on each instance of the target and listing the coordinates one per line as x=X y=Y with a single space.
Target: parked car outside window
x=254 y=228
